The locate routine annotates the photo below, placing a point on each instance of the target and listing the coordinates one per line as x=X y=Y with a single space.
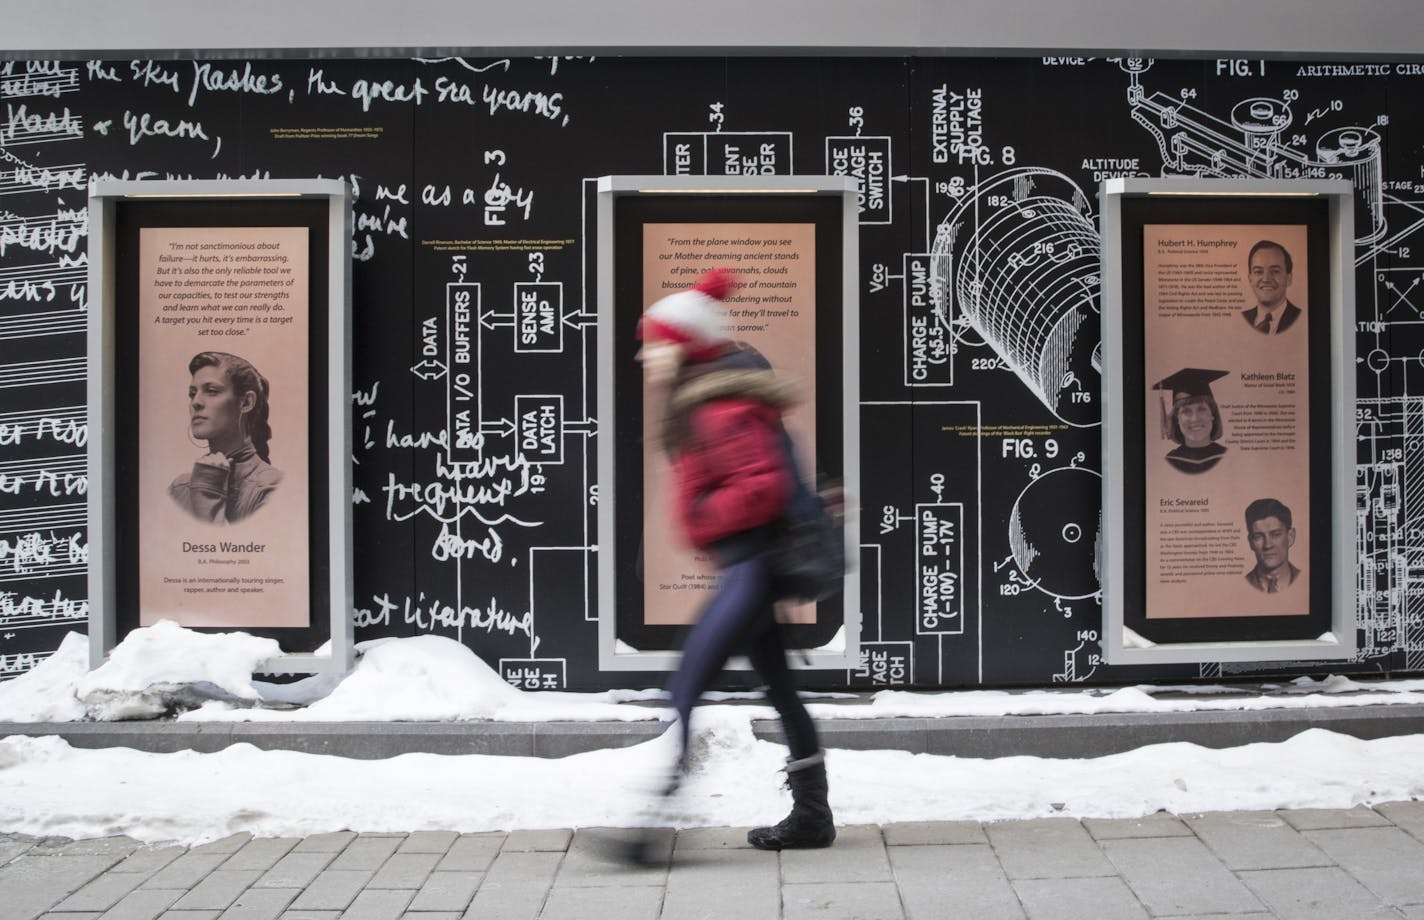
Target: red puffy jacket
x=728 y=458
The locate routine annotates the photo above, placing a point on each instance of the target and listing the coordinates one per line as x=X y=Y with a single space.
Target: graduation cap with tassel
x=1177 y=388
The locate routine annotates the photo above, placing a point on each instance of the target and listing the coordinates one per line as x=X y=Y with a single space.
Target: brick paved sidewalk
x=1356 y=864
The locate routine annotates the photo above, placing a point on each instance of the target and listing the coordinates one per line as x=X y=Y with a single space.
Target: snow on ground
x=50 y=788
x=429 y=678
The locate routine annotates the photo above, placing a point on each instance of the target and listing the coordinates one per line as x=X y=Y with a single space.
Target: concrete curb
x=965 y=736
x=1110 y=733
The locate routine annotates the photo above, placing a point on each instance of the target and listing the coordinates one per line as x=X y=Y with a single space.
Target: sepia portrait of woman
x=1193 y=420
x=228 y=408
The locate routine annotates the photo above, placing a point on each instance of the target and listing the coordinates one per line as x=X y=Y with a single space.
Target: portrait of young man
x=1271 y=534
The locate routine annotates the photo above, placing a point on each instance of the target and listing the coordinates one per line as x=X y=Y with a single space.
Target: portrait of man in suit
x=1269 y=270
x=1271 y=533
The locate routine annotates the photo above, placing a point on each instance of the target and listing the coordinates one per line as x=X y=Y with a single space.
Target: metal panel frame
x=104 y=195
x=1120 y=644
x=610 y=657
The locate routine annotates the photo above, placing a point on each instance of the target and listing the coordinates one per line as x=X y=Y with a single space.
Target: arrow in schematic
x=429 y=370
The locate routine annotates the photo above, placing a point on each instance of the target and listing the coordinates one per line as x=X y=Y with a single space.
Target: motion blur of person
x=732 y=480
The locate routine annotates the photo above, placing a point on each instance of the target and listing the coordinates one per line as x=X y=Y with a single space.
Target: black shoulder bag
x=808 y=557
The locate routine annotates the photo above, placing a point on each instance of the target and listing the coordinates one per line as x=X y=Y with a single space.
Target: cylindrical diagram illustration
x=1018 y=258
x=1355 y=154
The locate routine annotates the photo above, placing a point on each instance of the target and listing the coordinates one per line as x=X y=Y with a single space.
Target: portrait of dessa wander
x=229 y=405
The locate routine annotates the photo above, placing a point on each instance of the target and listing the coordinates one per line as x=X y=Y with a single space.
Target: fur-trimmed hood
x=733 y=383
x=741 y=383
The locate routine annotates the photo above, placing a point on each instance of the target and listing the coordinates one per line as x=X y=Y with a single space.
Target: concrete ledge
x=998 y=736
x=1109 y=733
x=358 y=740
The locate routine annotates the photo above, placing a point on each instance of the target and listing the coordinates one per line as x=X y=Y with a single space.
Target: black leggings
x=739 y=618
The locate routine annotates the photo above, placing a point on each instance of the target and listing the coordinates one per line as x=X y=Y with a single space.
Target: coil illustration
x=1018 y=258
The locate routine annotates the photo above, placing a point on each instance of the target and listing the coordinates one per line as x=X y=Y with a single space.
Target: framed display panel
x=220 y=443
x=1228 y=425
x=791 y=240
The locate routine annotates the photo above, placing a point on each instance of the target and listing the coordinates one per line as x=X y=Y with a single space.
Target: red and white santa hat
x=694 y=316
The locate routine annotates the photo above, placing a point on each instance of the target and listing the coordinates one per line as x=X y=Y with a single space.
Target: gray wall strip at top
x=1269 y=28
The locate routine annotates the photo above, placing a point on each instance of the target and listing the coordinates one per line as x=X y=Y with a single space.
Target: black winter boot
x=810 y=823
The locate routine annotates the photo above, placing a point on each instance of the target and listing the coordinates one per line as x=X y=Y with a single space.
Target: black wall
x=482 y=171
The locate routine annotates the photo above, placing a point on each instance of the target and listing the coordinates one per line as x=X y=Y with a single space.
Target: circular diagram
x=1056 y=535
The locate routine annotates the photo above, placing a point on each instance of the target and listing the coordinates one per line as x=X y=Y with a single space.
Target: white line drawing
x=1056 y=547
x=1255 y=143
x=1038 y=314
x=1080 y=663
x=1018 y=259
x=1389 y=529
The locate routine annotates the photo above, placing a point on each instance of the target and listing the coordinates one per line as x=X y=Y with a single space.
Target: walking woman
x=732 y=480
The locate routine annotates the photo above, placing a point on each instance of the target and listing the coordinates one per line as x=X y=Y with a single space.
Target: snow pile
x=49 y=788
x=165 y=669
x=434 y=679
x=424 y=677
x=155 y=670
x=45 y=693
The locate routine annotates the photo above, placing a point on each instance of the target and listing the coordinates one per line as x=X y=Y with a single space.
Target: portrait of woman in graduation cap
x=1193 y=419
